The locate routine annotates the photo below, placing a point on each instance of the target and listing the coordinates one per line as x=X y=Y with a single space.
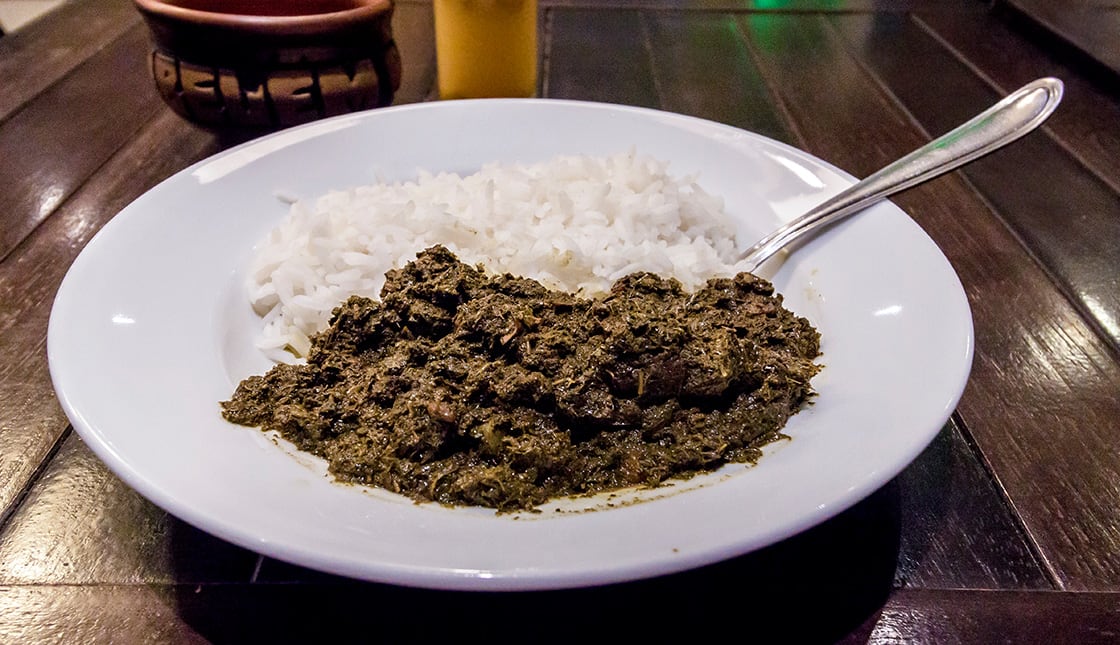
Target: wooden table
x=1006 y=529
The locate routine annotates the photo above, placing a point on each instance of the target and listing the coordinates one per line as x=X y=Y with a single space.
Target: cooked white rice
x=575 y=223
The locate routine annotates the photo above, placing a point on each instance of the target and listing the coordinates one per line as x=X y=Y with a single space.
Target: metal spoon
x=1014 y=116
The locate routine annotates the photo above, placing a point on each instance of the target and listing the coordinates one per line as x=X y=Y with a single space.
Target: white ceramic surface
x=150 y=330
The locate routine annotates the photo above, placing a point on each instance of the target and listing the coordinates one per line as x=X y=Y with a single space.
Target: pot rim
x=271 y=25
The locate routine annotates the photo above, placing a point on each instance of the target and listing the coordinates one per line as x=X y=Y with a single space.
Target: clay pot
x=269 y=64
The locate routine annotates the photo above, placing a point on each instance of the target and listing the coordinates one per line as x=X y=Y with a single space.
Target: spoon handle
x=1016 y=115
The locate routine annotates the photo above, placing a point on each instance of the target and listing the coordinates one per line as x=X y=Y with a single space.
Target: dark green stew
x=491 y=390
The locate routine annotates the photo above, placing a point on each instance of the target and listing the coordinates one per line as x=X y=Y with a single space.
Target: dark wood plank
x=1088 y=122
x=82 y=525
x=48 y=48
x=597 y=56
x=30 y=418
x=1041 y=403
x=58 y=139
x=95 y=614
x=176 y=614
x=1069 y=218
x=1092 y=27
x=808 y=71
x=936 y=616
x=956 y=529
x=701 y=67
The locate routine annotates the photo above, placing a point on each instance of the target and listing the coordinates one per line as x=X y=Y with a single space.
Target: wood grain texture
x=80 y=524
x=31 y=420
x=188 y=614
x=1042 y=400
x=1069 y=218
x=1088 y=121
x=701 y=68
x=63 y=135
x=45 y=50
x=936 y=616
x=94 y=615
x=1091 y=26
x=577 y=67
x=955 y=529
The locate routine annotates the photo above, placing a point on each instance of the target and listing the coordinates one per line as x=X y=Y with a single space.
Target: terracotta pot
x=268 y=64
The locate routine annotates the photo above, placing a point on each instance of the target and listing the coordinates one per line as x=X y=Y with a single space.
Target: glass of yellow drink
x=486 y=48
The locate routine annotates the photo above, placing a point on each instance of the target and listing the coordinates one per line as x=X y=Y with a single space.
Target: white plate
x=150 y=331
